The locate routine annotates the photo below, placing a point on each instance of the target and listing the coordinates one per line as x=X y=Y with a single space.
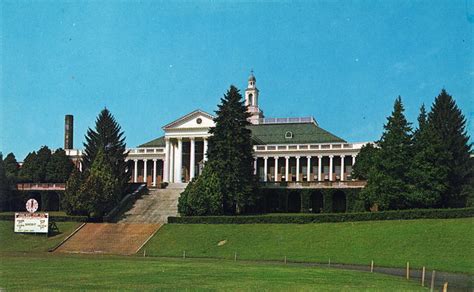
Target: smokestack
x=68 y=132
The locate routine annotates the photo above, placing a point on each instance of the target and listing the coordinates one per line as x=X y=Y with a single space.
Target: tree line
x=426 y=167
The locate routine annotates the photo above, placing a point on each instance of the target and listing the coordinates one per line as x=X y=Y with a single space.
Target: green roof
x=158 y=142
x=303 y=133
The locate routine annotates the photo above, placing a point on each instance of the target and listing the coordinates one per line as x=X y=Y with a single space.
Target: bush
x=321 y=218
x=202 y=196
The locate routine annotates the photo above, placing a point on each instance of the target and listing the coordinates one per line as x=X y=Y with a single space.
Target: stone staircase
x=154 y=207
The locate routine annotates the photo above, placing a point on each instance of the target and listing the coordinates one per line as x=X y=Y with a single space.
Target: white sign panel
x=31 y=222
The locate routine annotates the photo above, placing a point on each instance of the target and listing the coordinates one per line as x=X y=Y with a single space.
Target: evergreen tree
x=449 y=124
x=427 y=179
x=101 y=186
x=387 y=184
x=366 y=159
x=230 y=153
x=108 y=137
x=202 y=196
x=59 y=167
x=75 y=202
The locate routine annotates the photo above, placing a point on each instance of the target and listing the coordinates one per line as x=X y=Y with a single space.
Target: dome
x=252 y=78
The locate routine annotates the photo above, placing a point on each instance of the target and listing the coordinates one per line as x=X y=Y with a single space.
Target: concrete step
x=109 y=238
x=154 y=207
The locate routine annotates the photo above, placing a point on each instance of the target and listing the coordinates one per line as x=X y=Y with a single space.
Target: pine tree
x=34 y=166
x=101 y=186
x=387 y=185
x=230 y=153
x=427 y=179
x=449 y=125
x=59 y=167
x=366 y=159
x=108 y=137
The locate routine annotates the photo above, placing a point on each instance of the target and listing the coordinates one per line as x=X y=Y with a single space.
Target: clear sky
x=150 y=62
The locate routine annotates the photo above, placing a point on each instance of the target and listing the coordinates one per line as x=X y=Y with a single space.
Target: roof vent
x=288 y=135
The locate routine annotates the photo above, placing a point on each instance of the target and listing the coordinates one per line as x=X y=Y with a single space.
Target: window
x=199 y=121
x=288 y=135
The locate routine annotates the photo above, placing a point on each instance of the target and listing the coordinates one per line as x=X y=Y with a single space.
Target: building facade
x=288 y=151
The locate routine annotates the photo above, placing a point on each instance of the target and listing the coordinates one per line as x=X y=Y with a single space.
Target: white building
x=295 y=151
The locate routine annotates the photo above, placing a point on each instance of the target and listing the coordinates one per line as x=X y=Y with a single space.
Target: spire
x=251 y=99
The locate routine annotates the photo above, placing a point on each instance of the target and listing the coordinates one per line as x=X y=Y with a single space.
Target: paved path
x=109 y=238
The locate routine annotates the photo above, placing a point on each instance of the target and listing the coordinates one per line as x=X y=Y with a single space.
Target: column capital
x=136 y=160
x=297 y=157
x=320 y=157
x=180 y=139
x=343 y=156
x=155 y=159
x=354 y=155
x=308 y=157
x=287 y=157
x=331 y=156
x=192 y=138
x=276 y=157
x=265 y=157
x=145 y=160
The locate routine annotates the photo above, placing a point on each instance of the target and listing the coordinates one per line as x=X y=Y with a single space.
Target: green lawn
x=59 y=272
x=443 y=244
x=19 y=242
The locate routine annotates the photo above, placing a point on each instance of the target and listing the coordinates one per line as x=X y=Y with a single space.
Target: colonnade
x=173 y=164
x=299 y=175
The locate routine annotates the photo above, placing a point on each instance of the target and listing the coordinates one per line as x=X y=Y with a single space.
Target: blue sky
x=150 y=62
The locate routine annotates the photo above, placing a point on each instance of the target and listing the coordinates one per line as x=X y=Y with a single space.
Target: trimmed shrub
x=322 y=218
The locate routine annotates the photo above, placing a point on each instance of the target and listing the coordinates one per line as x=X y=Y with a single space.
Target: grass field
x=17 y=242
x=446 y=244
x=59 y=272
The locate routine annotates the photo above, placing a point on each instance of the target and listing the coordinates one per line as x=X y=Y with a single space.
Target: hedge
x=321 y=218
x=52 y=218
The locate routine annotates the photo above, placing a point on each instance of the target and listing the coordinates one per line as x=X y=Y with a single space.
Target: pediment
x=197 y=119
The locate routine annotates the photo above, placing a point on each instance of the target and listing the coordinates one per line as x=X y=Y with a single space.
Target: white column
x=135 y=171
x=166 y=162
x=145 y=174
x=308 y=168
x=179 y=160
x=192 y=162
x=255 y=166
x=287 y=166
x=171 y=163
x=205 y=149
x=353 y=159
x=320 y=168
x=297 y=168
x=80 y=166
x=276 y=168
x=342 y=167
x=154 y=172
x=265 y=168
x=330 y=166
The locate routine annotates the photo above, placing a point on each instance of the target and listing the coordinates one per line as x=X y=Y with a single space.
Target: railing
x=139 y=151
x=316 y=184
x=288 y=120
x=321 y=146
x=41 y=186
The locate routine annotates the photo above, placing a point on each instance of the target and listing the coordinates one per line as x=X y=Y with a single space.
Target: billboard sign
x=31 y=222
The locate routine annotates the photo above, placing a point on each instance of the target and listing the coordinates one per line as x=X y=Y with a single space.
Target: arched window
x=251 y=99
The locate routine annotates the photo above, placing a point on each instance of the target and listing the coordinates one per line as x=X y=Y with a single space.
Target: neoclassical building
x=290 y=152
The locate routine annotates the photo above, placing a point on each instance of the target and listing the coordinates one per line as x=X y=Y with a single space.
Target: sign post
x=31 y=222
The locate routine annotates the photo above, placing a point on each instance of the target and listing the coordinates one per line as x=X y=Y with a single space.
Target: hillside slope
x=446 y=244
